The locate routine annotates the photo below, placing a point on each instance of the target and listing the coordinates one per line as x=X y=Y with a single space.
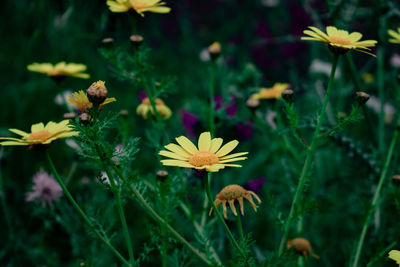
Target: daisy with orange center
x=339 y=41
x=209 y=155
x=61 y=69
x=140 y=6
x=40 y=134
x=231 y=193
x=275 y=92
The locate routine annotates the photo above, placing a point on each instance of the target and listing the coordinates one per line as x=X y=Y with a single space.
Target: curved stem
x=375 y=198
x=118 y=203
x=161 y=221
x=82 y=214
x=240 y=226
x=308 y=161
x=220 y=218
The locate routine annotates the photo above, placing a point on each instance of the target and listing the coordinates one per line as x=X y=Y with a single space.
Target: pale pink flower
x=45 y=189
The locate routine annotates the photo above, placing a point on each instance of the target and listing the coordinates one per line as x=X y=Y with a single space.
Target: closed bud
x=69 y=115
x=362 y=97
x=162 y=175
x=97 y=92
x=288 y=95
x=136 y=39
x=214 y=50
x=107 y=42
x=85 y=118
x=253 y=103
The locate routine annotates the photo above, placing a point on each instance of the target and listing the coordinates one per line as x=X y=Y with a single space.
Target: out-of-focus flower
x=118 y=153
x=81 y=101
x=271 y=119
x=255 y=184
x=319 y=66
x=204 y=55
x=230 y=109
x=145 y=108
x=270 y=3
x=395 y=60
x=339 y=41
x=105 y=180
x=368 y=77
x=209 y=155
x=190 y=123
x=244 y=130
x=231 y=193
x=214 y=50
x=274 y=92
x=62 y=98
x=60 y=69
x=73 y=144
x=302 y=246
x=140 y=6
x=395 y=255
x=395 y=36
x=375 y=104
x=45 y=189
x=40 y=134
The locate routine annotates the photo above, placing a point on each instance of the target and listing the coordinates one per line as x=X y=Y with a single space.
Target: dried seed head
x=214 y=50
x=97 y=92
x=162 y=175
x=253 y=103
x=288 y=95
x=136 y=39
x=85 y=118
x=362 y=97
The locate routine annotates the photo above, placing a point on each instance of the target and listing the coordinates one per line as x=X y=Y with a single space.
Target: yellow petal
x=355 y=37
x=178 y=150
x=234 y=159
x=319 y=32
x=227 y=148
x=37 y=127
x=204 y=141
x=19 y=132
x=186 y=144
x=331 y=31
x=395 y=255
x=235 y=155
x=13 y=143
x=171 y=155
x=215 y=144
x=177 y=163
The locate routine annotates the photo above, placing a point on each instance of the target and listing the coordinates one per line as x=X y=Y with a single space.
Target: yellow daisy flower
x=395 y=35
x=395 y=255
x=275 y=92
x=81 y=101
x=60 y=69
x=40 y=134
x=339 y=41
x=145 y=107
x=231 y=193
x=139 y=6
x=209 y=155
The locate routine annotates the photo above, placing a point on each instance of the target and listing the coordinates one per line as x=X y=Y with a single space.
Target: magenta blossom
x=230 y=107
x=45 y=189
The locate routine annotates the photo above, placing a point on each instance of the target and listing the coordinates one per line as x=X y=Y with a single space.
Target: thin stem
x=82 y=214
x=117 y=197
x=381 y=94
x=375 y=198
x=240 y=226
x=206 y=183
x=160 y=220
x=211 y=96
x=163 y=228
x=307 y=163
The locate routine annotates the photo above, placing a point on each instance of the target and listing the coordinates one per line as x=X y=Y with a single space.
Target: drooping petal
x=232 y=205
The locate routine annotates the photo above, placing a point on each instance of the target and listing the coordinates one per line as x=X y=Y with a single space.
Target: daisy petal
x=171 y=155
x=234 y=155
x=227 y=148
x=186 y=144
x=215 y=144
x=177 y=163
x=234 y=159
x=178 y=150
x=19 y=132
x=204 y=141
x=37 y=127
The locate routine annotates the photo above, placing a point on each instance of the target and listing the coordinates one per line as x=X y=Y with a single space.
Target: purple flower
x=230 y=108
x=255 y=185
x=244 y=130
x=142 y=95
x=190 y=123
x=45 y=189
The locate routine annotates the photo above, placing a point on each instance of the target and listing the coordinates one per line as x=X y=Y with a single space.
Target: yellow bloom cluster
x=139 y=6
x=61 y=69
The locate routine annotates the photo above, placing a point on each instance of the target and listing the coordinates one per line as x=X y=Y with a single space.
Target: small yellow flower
x=231 y=193
x=209 y=155
x=145 y=107
x=395 y=255
x=368 y=77
x=60 y=69
x=275 y=92
x=81 y=101
x=339 y=41
x=395 y=35
x=139 y=6
x=40 y=134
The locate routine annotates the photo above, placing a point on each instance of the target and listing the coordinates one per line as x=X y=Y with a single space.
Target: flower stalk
x=307 y=164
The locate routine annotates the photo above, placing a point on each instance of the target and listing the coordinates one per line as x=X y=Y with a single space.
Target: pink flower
x=45 y=189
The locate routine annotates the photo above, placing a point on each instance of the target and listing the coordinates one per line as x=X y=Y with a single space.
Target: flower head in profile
x=231 y=193
x=274 y=92
x=302 y=246
x=81 y=101
x=339 y=41
x=45 y=189
x=395 y=255
x=145 y=108
x=40 y=134
x=395 y=36
x=209 y=155
x=140 y=6
x=61 y=69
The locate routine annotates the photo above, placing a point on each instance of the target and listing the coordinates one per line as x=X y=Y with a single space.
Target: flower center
x=137 y=5
x=41 y=136
x=202 y=158
x=339 y=40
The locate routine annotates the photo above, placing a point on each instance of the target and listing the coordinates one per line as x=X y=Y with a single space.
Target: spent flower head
x=339 y=41
x=40 y=134
x=61 y=69
x=209 y=155
x=97 y=92
x=231 y=193
x=140 y=6
x=145 y=108
x=45 y=189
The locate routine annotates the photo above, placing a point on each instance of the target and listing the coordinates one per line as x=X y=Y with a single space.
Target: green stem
x=206 y=183
x=381 y=95
x=240 y=226
x=353 y=70
x=160 y=220
x=117 y=197
x=375 y=198
x=308 y=161
x=211 y=96
x=163 y=228
x=82 y=214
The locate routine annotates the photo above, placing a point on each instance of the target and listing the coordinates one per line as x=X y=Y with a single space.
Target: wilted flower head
x=302 y=246
x=61 y=69
x=140 y=6
x=145 y=108
x=231 y=193
x=45 y=189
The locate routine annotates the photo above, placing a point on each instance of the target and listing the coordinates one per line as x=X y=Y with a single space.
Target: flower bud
x=69 y=115
x=136 y=39
x=288 y=95
x=214 y=50
x=253 y=103
x=362 y=97
x=162 y=175
x=85 y=118
x=107 y=42
x=123 y=112
x=97 y=92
